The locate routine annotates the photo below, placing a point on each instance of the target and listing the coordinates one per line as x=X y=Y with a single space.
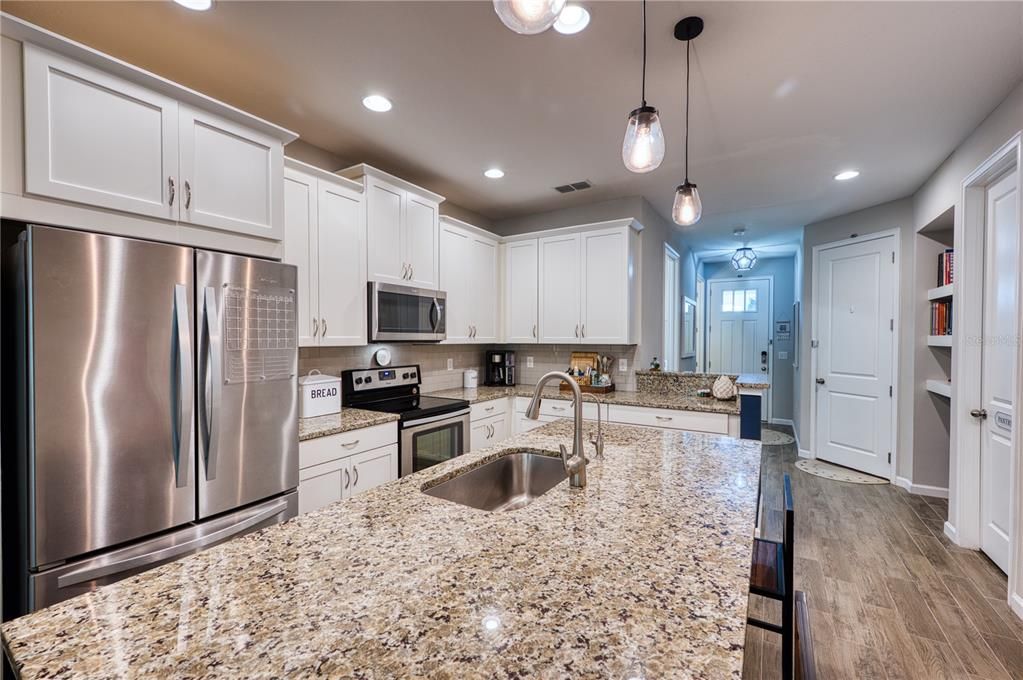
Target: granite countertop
x=336 y=423
x=644 y=573
x=752 y=381
x=678 y=402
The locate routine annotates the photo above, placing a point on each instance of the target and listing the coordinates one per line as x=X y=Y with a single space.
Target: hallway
x=890 y=596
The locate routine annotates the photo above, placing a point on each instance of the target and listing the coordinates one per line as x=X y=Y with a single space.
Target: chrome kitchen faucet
x=575 y=465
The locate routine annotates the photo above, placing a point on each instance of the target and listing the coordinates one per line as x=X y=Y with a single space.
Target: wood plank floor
x=890 y=596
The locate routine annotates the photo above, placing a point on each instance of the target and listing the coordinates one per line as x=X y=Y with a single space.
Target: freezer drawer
x=247 y=394
x=69 y=580
x=110 y=386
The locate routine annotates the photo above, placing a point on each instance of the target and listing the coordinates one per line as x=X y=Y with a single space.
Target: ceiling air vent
x=574 y=186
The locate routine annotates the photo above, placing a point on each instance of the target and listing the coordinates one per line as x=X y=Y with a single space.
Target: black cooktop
x=416 y=407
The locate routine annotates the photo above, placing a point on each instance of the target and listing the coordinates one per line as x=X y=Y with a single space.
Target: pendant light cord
x=686 y=169
x=643 y=91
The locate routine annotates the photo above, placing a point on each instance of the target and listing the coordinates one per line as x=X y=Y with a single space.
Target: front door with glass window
x=739 y=332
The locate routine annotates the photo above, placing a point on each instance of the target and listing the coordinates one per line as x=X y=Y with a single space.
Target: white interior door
x=739 y=334
x=1000 y=271
x=855 y=374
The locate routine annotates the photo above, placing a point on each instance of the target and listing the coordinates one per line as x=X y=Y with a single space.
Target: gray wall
x=896 y=215
x=782 y=270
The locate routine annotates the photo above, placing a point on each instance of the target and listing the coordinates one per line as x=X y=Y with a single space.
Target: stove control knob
x=413 y=374
x=368 y=380
x=404 y=376
x=358 y=381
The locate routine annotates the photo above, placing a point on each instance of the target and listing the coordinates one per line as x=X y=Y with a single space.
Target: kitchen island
x=644 y=573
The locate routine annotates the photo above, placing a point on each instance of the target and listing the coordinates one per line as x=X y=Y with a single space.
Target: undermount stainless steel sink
x=506 y=483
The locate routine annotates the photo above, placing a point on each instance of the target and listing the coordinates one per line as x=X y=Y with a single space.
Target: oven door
x=430 y=441
x=399 y=313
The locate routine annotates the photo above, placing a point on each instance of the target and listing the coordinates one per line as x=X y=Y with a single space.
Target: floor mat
x=837 y=472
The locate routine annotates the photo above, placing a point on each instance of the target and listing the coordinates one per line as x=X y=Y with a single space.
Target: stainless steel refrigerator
x=158 y=408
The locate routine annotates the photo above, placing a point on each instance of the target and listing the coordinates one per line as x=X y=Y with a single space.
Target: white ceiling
x=784 y=94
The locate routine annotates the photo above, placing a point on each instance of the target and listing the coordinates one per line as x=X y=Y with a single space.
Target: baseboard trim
x=803 y=453
x=922 y=489
x=783 y=421
x=1016 y=604
x=951 y=532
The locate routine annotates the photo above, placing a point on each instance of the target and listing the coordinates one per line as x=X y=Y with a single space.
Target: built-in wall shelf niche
x=939 y=340
x=940 y=293
x=939 y=387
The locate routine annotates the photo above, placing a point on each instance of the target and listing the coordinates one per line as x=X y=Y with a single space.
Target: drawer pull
x=557 y=408
x=489 y=408
x=664 y=418
x=350 y=445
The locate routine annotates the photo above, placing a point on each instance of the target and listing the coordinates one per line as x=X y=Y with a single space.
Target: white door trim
x=766 y=412
x=964 y=525
x=701 y=332
x=808 y=385
x=671 y=330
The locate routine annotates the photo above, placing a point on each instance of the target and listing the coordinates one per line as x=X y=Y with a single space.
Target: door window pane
x=726 y=301
x=751 y=300
x=739 y=301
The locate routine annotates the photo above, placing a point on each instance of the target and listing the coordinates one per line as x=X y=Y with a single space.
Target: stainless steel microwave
x=406 y=314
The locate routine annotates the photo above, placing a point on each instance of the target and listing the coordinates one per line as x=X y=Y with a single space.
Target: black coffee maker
x=499 y=368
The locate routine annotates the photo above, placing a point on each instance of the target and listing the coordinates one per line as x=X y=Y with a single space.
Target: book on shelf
x=945 y=267
x=941 y=318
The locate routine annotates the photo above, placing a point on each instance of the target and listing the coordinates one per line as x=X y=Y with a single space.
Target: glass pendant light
x=643 y=148
x=528 y=17
x=688 y=207
x=744 y=259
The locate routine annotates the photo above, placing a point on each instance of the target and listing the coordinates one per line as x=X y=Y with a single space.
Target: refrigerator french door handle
x=185 y=373
x=92 y=573
x=214 y=376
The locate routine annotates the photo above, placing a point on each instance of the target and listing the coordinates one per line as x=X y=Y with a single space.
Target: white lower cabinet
x=340 y=466
x=489 y=423
x=668 y=419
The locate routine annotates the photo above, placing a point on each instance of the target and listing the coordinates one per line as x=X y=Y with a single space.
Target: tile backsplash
x=433 y=359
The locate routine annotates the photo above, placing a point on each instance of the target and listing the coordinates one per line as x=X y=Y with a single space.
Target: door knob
x=820 y=381
x=979 y=413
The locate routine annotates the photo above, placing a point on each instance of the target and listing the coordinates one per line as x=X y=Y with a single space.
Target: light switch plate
x=623 y=365
x=451 y=364
x=529 y=362
x=783 y=355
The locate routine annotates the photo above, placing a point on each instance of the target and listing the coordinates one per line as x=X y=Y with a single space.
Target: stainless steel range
x=431 y=429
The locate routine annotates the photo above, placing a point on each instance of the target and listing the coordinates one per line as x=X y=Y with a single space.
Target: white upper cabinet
x=325 y=237
x=560 y=297
x=521 y=289
x=403 y=230
x=589 y=285
x=231 y=177
x=469 y=275
x=95 y=139
x=100 y=133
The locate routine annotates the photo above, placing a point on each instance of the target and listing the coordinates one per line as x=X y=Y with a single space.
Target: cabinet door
x=605 y=287
x=322 y=485
x=384 y=210
x=499 y=427
x=95 y=139
x=421 y=232
x=484 y=433
x=300 y=249
x=342 y=266
x=560 y=297
x=231 y=176
x=482 y=288
x=454 y=280
x=373 y=468
x=520 y=292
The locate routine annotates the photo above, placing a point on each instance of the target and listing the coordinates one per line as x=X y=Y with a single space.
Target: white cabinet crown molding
x=632 y=222
x=364 y=170
x=23 y=31
x=471 y=228
x=326 y=175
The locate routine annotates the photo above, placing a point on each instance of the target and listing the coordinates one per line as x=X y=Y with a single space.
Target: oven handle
x=433 y=419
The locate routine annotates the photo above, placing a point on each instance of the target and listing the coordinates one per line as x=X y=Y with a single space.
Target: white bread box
x=319 y=395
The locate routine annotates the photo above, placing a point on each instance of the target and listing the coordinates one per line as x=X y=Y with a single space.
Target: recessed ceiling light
x=376 y=102
x=847 y=174
x=197 y=5
x=494 y=173
x=572 y=19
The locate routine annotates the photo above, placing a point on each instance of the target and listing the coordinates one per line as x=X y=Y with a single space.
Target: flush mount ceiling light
x=643 y=147
x=528 y=17
x=197 y=5
x=376 y=102
x=847 y=174
x=572 y=20
x=687 y=208
x=744 y=259
x=494 y=173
